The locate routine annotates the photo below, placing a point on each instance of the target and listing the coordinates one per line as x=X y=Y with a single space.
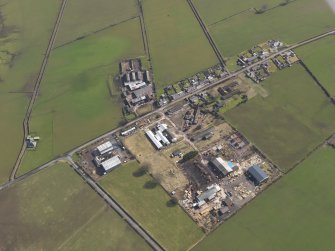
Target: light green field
x=149 y=205
x=83 y=17
x=177 y=44
x=320 y=59
x=75 y=104
x=24 y=35
x=56 y=210
x=295 y=214
x=292 y=23
x=289 y=123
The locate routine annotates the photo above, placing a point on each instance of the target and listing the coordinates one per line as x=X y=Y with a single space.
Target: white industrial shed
x=105 y=147
x=111 y=163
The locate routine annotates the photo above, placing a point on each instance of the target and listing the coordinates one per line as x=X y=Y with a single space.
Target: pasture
x=235 y=26
x=320 y=59
x=56 y=210
x=24 y=36
x=177 y=44
x=291 y=121
x=294 y=214
x=152 y=207
x=84 y=17
x=77 y=100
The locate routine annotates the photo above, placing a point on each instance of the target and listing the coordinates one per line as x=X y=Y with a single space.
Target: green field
x=291 y=23
x=83 y=17
x=295 y=117
x=57 y=210
x=320 y=59
x=177 y=44
x=78 y=100
x=149 y=205
x=24 y=35
x=295 y=214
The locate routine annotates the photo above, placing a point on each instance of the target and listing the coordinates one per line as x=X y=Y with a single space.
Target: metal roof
x=105 y=147
x=258 y=174
x=111 y=163
x=225 y=167
x=153 y=139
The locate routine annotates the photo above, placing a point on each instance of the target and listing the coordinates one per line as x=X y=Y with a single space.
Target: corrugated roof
x=258 y=174
x=111 y=163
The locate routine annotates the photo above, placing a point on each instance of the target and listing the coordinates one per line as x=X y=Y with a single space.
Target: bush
x=188 y=156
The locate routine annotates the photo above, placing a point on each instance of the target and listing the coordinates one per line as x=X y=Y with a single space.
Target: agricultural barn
x=257 y=174
x=223 y=167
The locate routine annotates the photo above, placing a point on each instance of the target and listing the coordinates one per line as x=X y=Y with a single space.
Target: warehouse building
x=110 y=164
x=153 y=139
x=223 y=167
x=257 y=174
x=105 y=148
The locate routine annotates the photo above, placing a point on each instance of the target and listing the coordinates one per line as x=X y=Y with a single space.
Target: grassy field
x=83 y=17
x=24 y=35
x=76 y=100
x=291 y=121
x=148 y=203
x=177 y=44
x=57 y=210
x=236 y=33
x=321 y=61
x=295 y=214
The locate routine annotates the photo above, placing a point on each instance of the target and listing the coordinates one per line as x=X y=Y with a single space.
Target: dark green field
x=78 y=99
x=295 y=214
x=56 y=210
x=150 y=205
x=289 y=123
x=320 y=59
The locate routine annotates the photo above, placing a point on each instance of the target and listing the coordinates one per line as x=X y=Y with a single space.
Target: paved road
x=36 y=89
x=113 y=204
x=230 y=76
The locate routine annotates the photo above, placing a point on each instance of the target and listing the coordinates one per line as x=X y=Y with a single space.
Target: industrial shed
x=111 y=163
x=257 y=174
x=223 y=167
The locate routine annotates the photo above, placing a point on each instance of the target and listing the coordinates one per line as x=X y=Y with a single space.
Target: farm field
x=177 y=44
x=99 y=14
x=294 y=214
x=25 y=33
x=321 y=61
x=150 y=205
x=236 y=33
x=78 y=100
x=56 y=210
x=290 y=122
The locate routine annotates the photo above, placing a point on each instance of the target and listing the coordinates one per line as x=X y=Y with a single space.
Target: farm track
x=231 y=76
x=117 y=208
x=208 y=35
x=26 y=129
x=67 y=156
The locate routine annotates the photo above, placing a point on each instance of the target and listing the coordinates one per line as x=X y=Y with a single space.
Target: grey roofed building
x=208 y=195
x=144 y=91
x=257 y=174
